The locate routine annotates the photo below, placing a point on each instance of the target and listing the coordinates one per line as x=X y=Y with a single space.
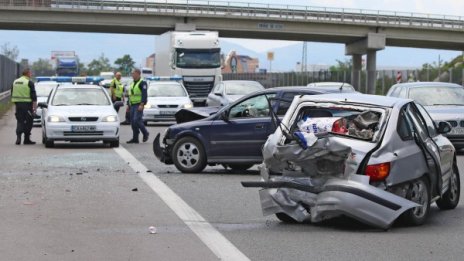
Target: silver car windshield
x=242 y=88
x=43 y=90
x=80 y=96
x=166 y=90
x=429 y=96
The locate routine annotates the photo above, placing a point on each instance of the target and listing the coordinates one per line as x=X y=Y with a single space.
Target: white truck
x=193 y=55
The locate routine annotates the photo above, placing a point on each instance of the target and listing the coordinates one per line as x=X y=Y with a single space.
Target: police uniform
x=23 y=95
x=117 y=92
x=137 y=95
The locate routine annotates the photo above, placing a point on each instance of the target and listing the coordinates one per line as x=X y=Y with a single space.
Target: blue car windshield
x=429 y=96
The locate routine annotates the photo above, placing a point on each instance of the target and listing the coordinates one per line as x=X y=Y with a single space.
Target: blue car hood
x=186 y=115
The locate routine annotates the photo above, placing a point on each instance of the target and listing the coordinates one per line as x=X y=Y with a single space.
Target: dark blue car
x=232 y=136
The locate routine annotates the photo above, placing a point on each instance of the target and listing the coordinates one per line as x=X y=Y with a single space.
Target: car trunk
x=320 y=162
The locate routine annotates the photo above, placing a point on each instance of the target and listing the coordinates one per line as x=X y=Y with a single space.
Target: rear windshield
x=349 y=122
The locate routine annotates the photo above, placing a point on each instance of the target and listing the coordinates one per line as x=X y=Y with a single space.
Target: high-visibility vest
x=118 y=88
x=21 y=90
x=135 y=94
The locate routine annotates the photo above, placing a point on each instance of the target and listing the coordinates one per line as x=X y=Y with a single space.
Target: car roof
x=426 y=84
x=163 y=82
x=72 y=86
x=46 y=82
x=329 y=84
x=382 y=101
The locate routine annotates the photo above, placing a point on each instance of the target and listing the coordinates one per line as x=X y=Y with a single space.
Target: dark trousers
x=116 y=107
x=24 y=119
x=137 y=122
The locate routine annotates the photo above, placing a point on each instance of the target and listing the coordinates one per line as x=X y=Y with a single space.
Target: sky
x=90 y=45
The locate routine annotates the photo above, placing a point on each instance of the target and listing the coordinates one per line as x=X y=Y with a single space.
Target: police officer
x=25 y=98
x=117 y=90
x=137 y=100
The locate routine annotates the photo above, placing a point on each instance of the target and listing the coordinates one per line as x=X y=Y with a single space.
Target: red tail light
x=378 y=172
x=339 y=126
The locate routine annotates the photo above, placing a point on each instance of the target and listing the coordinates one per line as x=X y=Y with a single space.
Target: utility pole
x=304 y=57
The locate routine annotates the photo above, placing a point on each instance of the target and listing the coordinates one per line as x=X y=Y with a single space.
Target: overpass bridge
x=362 y=31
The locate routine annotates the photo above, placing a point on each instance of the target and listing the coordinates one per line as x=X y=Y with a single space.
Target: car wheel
x=285 y=218
x=240 y=167
x=419 y=192
x=188 y=155
x=114 y=143
x=47 y=142
x=450 y=199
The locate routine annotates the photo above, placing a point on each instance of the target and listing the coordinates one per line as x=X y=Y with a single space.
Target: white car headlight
x=54 y=118
x=147 y=106
x=188 y=106
x=111 y=118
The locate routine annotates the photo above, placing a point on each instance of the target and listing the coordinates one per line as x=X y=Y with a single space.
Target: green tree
x=342 y=66
x=11 y=52
x=83 y=71
x=42 y=67
x=125 y=64
x=101 y=64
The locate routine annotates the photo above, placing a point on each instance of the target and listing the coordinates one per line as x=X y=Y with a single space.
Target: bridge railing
x=253 y=10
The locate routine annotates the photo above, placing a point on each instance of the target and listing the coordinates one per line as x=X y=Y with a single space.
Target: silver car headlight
x=188 y=105
x=111 y=118
x=54 y=118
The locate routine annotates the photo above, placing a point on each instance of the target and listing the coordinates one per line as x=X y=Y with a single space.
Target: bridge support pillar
x=368 y=45
x=356 y=71
x=371 y=67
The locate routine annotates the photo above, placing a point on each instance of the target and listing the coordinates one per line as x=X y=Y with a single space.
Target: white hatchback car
x=43 y=90
x=79 y=113
x=165 y=98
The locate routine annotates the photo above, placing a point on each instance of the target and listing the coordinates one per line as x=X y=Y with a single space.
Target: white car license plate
x=457 y=131
x=83 y=128
x=167 y=112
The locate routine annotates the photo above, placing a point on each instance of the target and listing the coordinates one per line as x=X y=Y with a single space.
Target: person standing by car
x=25 y=98
x=137 y=100
x=117 y=91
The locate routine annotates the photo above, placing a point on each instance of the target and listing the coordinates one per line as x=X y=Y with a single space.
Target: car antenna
x=341 y=87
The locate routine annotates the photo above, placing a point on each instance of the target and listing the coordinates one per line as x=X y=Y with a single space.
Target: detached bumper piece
x=161 y=153
x=353 y=197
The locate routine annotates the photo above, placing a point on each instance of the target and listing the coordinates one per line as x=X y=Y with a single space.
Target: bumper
x=159 y=115
x=456 y=140
x=63 y=132
x=353 y=197
x=161 y=153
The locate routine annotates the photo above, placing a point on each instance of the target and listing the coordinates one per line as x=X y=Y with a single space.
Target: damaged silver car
x=372 y=158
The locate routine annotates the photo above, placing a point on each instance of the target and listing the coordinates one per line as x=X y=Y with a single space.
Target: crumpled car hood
x=186 y=115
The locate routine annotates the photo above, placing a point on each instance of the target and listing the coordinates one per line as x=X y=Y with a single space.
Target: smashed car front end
x=163 y=151
x=321 y=159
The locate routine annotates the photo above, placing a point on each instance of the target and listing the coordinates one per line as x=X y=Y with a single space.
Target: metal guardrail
x=257 y=10
x=4 y=95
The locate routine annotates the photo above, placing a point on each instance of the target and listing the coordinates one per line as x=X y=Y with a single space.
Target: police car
x=43 y=90
x=79 y=113
x=166 y=96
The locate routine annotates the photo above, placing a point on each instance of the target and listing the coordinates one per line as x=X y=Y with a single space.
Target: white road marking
x=212 y=238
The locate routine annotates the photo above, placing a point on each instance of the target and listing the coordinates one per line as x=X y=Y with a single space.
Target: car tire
x=450 y=198
x=114 y=143
x=418 y=192
x=47 y=142
x=189 y=155
x=240 y=166
x=285 y=218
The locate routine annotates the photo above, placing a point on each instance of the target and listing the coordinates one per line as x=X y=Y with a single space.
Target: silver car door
x=444 y=145
x=431 y=150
